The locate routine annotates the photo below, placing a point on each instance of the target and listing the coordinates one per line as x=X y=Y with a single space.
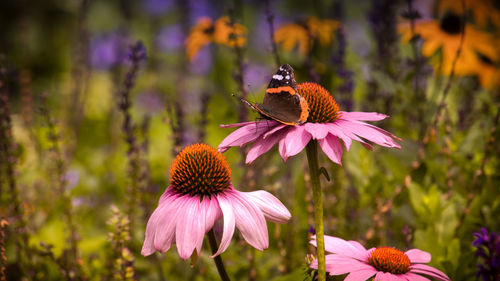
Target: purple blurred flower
x=261 y=39
x=72 y=177
x=202 y=63
x=170 y=38
x=256 y=75
x=312 y=230
x=157 y=7
x=488 y=252
x=108 y=50
x=150 y=102
x=200 y=8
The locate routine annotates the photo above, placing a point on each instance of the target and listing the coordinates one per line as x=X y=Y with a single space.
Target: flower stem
x=217 y=259
x=312 y=159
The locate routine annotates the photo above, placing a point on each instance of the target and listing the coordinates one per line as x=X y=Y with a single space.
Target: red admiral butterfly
x=282 y=101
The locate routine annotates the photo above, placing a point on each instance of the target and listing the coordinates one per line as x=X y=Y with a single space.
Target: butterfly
x=282 y=101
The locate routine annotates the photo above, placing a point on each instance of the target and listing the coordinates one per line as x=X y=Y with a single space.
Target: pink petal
x=317 y=130
x=360 y=275
x=362 y=116
x=389 y=134
x=357 y=245
x=262 y=145
x=337 y=265
x=394 y=277
x=166 y=223
x=294 y=142
x=368 y=132
x=414 y=277
x=386 y=276
x=332 y=148
x=243 y=124
x=274 y=130
x=271 y=207
x=229 y=222
x=212 y=212
x=250 y=220
x=346 y=137
x=168 y=193
x=429 y=270
x=418 y=256
x=164 y=207
x=190 y=228
x=339 y=246
x=248 y=133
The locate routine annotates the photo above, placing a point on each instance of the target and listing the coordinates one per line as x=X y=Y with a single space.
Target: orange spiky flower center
x=322 y=106
x=200 y=170
x=390 y=260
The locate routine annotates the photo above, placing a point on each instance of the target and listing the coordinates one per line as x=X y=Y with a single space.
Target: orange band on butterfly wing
x=305 y=110
x=281 y=89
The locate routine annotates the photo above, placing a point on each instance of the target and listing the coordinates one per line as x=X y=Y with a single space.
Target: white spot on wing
x=278 y=77
x=287 y=77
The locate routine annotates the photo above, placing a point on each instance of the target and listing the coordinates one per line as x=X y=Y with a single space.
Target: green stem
x=217 y=259
x=312 y=159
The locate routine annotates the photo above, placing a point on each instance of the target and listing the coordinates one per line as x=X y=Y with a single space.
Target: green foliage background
x=428 y=195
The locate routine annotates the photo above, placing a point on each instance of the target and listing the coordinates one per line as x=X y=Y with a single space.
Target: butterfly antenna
x=243 y=100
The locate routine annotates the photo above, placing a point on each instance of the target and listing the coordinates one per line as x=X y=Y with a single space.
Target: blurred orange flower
x=220 y=32
x=478 y=49
x=292 y=34
x=483 y=11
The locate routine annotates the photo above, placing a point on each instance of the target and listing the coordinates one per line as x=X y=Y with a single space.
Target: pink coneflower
x=200 y=193
x=326 y=123
x=386 y=263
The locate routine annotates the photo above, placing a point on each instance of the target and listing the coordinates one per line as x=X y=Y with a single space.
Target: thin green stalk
x=312 y=159
x=217 y=259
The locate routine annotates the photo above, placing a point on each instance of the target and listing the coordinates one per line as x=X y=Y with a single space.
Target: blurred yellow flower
x=483 y=11
x=445 y=35
x=220 y=32
x=292 y=34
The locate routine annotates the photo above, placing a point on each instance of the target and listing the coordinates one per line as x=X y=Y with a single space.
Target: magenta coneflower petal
x=429 y=270
x=387 y=276
x=347 y=136
x=415 y=277
x=250 y=221
x=362 y=116
x=248 y=133
x=229 y=223
x=262 y=145
x=190 y=228
x=238 y=124
x=358 y=246
x=332 y=148
x=335 y=130
x=317 y=130
x=270 y=206
x=293 y=142
x=212 y=212
x=338 y=265
x=360 y=275
x=148 y=247
x=367 y=131
x=418 y=256
x=165 y=225
x=274 y=130
x=339 y=246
